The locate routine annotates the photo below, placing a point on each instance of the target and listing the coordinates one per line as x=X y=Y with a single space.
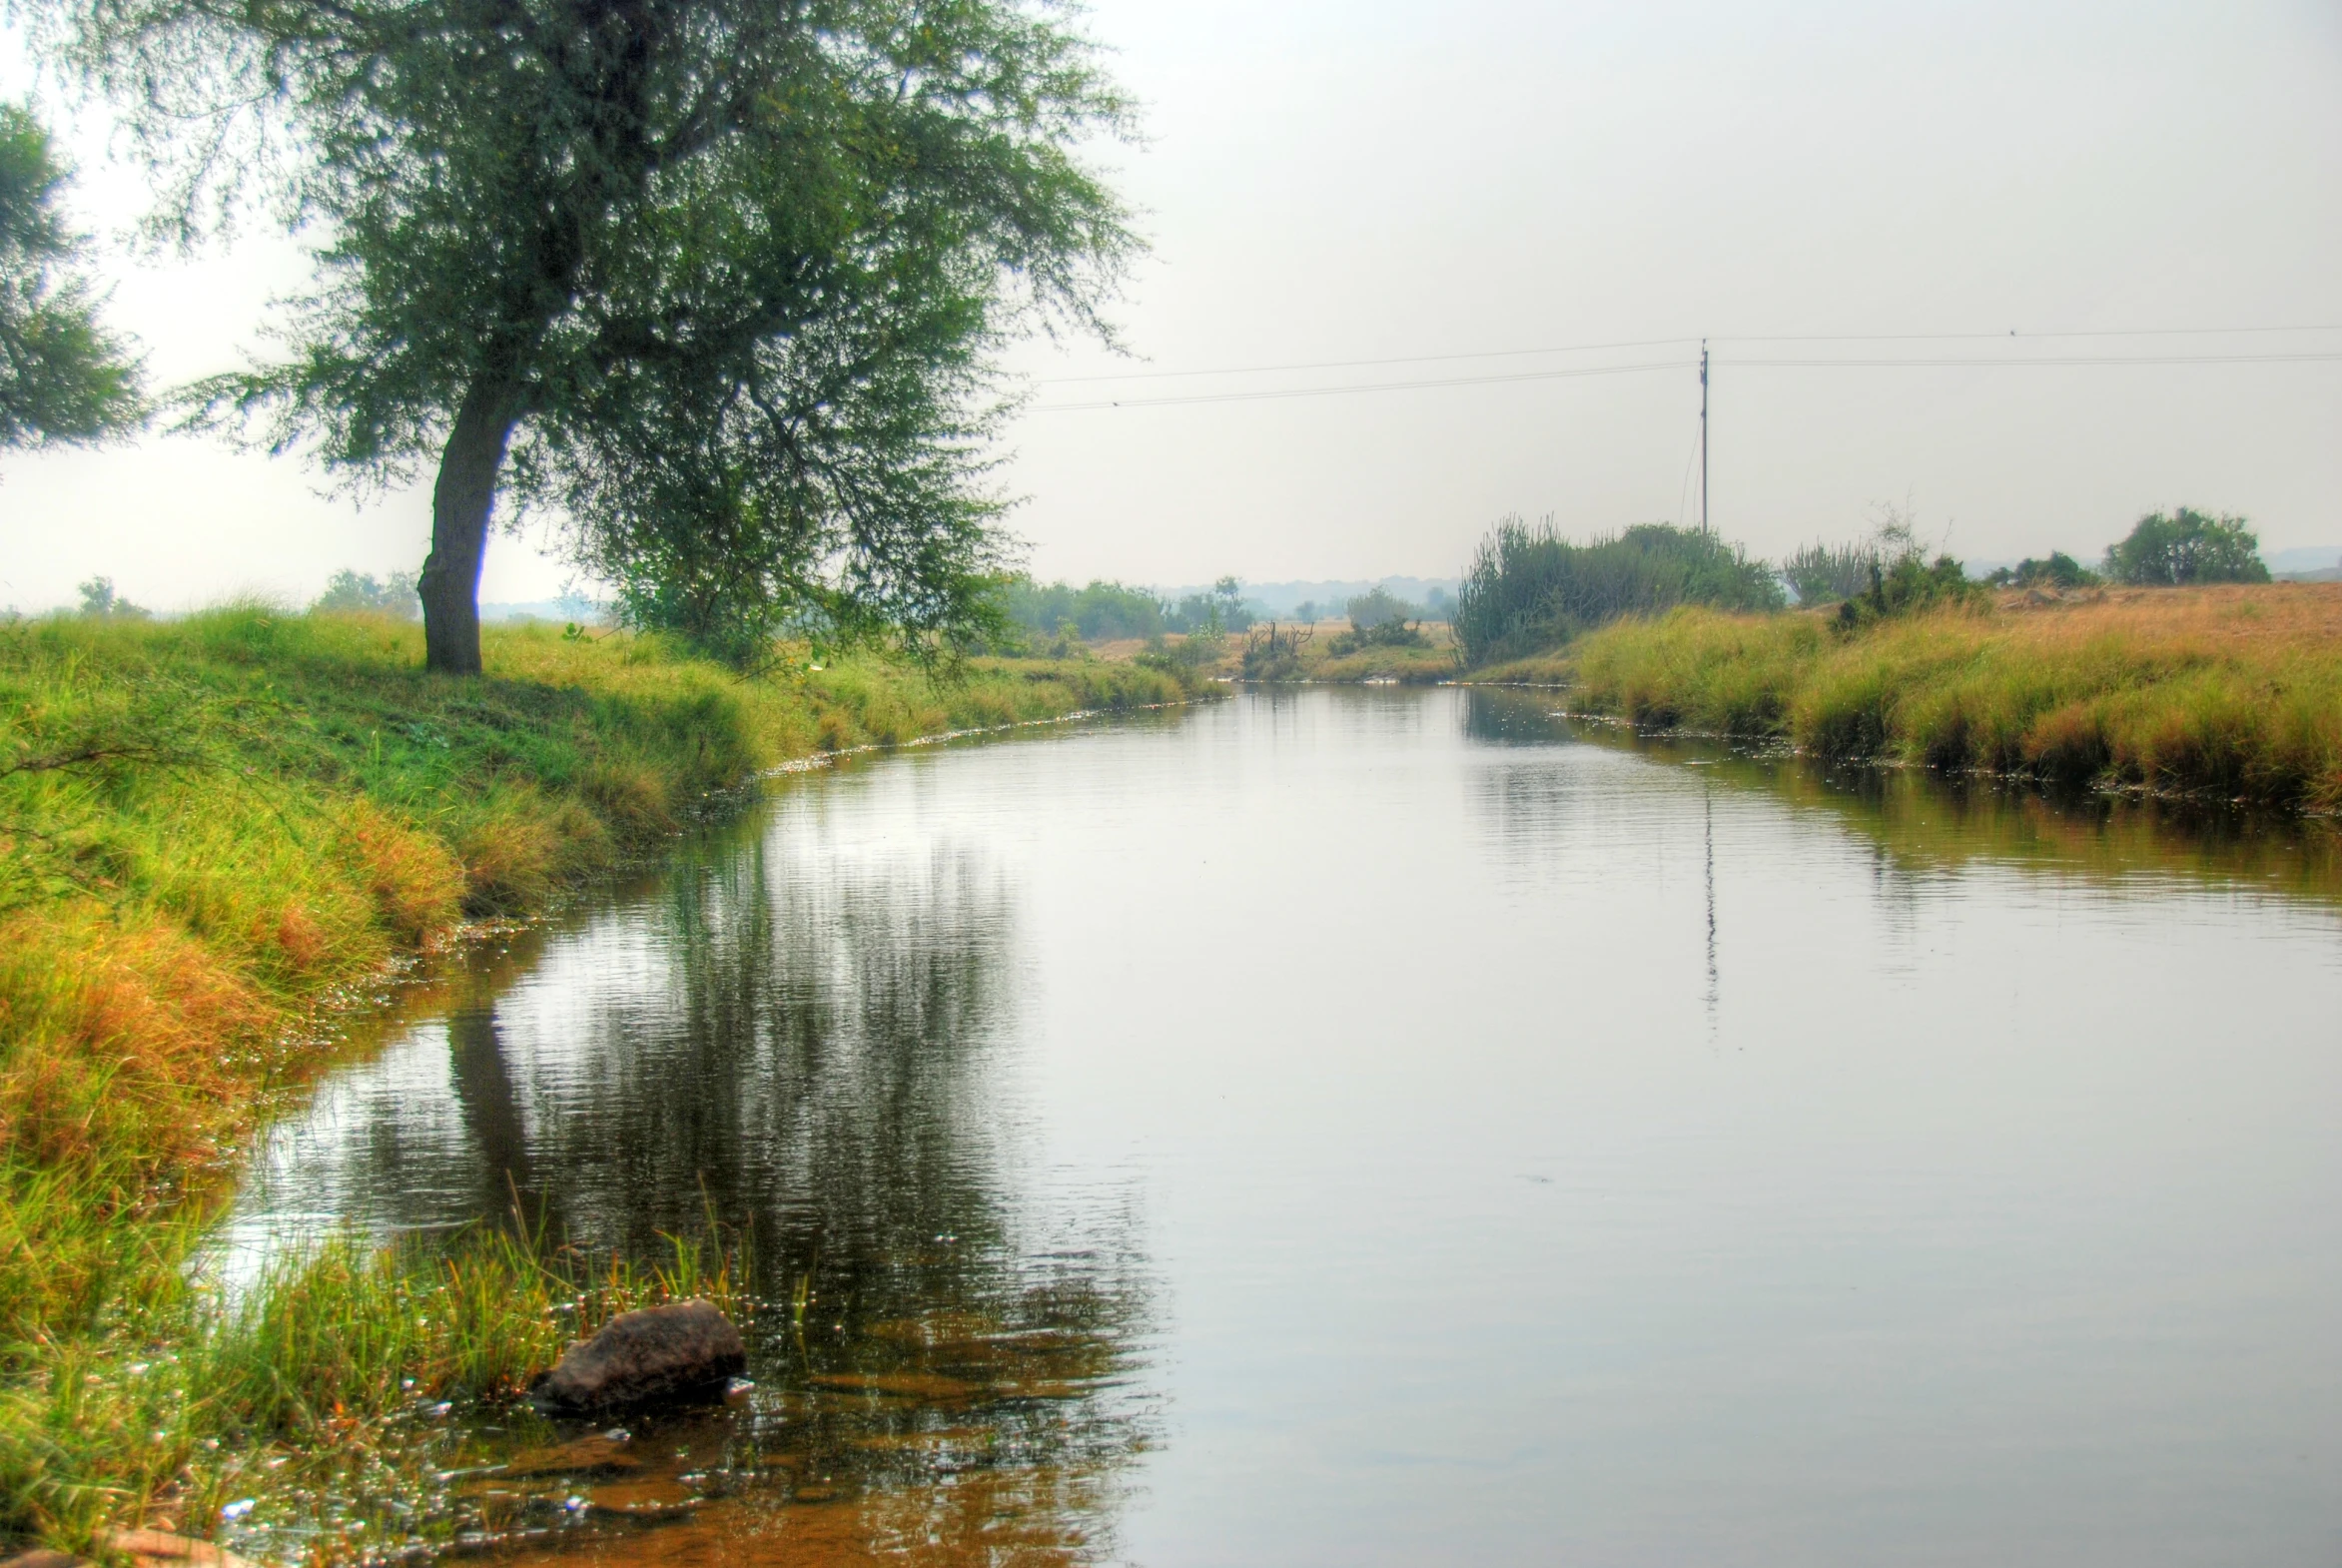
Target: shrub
x=1380 y=608
x=1529 y=588
x=2169 y=551
x=1275 y=654
x=2061 y=570
x=1820 y=574
x=1377 y=634
x=1906 y=585
x=99 y=601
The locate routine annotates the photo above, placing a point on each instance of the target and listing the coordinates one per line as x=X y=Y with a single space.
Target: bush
x=350 y=590
x=1906 y=585
x=99 y=601
x=1529 y=588
x=1380 y=608
x=2061 y=570
x=2169 y=551
x=1377 y=634
x=1275 y=654
x=1820 y=574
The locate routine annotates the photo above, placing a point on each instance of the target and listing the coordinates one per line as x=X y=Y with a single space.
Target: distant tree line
x=1105 y=612
x=352 y=590
x=1530 y=589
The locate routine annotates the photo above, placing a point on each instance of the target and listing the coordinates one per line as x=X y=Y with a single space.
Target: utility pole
x=1704 y=435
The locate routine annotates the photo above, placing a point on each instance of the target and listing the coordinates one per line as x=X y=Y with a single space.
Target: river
x=1382 y=1126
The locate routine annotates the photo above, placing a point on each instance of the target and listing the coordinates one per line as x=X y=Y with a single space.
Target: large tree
x=714 y=277
x=2183 y=546
x=63 y=377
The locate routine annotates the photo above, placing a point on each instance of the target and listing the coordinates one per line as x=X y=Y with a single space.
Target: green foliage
x=1820 y=574
x=2174 y=549
x=2061 y=570
x=330 y=1368
x=63 y=377
x=1196 y=615
x=1273 y=653
x=1529 y=588
x=1216 y=611
x=715 y=280
x=1379 y=619
x=352 y=590
x=1190 y=661
x=1100 y=612
x=1378 y=608
x=99 y=601
x=1376 y=634
x=1906 y=584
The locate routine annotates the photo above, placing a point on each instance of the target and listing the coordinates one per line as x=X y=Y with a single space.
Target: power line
x=1967 y=363
x=1660 y=343
x=1365 y=386
x=1350 y=364
x=2013 y=333
x=2072 y=359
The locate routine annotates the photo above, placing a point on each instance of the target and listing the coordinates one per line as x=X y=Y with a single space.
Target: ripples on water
x=1394 y=1127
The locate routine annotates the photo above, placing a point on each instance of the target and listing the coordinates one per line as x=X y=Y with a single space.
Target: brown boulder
x=661 y=1353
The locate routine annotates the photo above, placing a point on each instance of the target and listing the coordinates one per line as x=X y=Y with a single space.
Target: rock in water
x=660 y=1352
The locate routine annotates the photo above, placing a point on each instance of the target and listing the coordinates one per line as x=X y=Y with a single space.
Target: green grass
x=1410 y=665
x=2224 y=694
x=318 y=1392
x=220 y=829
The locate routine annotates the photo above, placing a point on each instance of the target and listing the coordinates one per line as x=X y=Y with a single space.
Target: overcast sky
x=1355 y=181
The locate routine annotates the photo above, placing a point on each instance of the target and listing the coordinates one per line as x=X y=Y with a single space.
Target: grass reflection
x=1926 y=822
x=789 y=1040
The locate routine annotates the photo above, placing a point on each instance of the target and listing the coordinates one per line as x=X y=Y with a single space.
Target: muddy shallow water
x=1384 y=1125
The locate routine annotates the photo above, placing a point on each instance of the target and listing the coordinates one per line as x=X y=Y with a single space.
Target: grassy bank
x=2234 y=694
x=217 y=830
x=1330 y=651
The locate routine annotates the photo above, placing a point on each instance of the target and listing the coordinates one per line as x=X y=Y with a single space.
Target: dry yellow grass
x=2234 y=694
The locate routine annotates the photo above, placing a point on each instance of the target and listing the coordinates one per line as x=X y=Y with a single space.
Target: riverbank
x=218 y=832
x=1324 y=651
x=2229 y=693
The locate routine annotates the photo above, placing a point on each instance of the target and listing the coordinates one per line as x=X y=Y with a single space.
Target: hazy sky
x=1330 y=181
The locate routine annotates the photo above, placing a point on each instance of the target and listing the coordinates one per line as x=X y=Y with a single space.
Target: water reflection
x=799 y=1034
x=1565 y=1147
x=1922 y=823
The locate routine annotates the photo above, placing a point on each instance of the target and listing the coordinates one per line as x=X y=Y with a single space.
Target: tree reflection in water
x=800 y=1036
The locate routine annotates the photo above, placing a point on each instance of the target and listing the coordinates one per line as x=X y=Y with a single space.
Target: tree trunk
x=461 y=502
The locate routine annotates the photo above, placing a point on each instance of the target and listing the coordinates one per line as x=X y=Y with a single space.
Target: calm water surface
x=1392 y=1127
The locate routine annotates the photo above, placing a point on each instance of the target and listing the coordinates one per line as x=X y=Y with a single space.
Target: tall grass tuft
x=1529 y=588
x=2226 y=693
x=315 y=1375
